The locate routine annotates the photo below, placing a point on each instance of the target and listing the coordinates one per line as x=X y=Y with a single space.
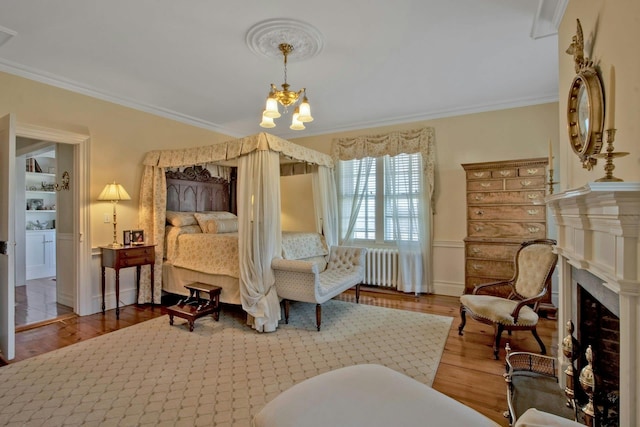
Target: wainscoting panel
x=448 y=267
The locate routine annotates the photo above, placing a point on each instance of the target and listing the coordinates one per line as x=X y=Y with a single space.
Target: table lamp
x=113 y=193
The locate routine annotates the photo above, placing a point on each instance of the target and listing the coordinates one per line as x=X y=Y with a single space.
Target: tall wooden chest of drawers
x=505 y=207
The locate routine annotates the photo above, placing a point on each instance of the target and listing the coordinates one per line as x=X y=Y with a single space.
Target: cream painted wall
x=296 y=203
x=120 y=137
x=611 y=31
x=497 y=135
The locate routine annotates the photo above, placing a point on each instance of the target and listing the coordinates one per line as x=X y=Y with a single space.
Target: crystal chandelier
x=287 y=98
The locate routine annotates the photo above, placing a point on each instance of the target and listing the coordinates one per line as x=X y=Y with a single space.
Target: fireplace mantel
x=599 y=231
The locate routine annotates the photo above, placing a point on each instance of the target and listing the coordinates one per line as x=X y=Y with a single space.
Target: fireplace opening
x=600 y=328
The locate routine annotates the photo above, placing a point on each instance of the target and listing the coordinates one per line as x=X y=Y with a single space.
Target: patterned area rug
x=221 y=374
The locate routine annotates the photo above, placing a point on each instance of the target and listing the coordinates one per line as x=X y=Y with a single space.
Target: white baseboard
x=449 y=289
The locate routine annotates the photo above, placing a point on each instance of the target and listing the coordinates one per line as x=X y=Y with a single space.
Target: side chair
x=534 y=265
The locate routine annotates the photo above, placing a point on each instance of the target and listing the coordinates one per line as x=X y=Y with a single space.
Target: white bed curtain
x=259 y=230
x=415 y=257
x=260 y=236
x=326 y=204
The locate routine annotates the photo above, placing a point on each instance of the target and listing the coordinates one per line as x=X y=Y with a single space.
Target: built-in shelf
x=40 y=192
x=40 y=210
x=41 y=174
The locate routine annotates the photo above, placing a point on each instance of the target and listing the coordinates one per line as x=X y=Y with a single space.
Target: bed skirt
x=175 y=278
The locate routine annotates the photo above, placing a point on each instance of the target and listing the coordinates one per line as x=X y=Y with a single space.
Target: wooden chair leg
x=358 y=293
x=496 y=346
x=318 y=315
x=463 y=319
x=286 y=311
x=543 y=349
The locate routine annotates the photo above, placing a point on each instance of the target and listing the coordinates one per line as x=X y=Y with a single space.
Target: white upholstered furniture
x=534 y=265
x=365 y=395
x=535 y=418
x=304 y=279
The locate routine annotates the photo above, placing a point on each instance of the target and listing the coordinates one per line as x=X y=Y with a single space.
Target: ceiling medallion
x=265 y=38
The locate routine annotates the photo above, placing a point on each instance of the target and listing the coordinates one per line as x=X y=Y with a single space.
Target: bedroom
x=120 y=136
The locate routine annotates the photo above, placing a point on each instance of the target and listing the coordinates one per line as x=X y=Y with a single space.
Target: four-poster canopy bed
x=258 y=160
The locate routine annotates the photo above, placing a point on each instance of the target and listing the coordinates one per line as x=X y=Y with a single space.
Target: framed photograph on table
x=137 y=237
x=126 y=237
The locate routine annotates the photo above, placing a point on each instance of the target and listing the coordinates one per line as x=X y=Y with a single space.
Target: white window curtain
x=408 y=206
x=352 y=202
x=415 y=257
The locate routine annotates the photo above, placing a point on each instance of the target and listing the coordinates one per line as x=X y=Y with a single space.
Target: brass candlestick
x=551 y=182
x=609 y=156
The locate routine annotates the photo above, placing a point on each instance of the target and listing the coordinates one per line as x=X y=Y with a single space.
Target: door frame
x=80 y=261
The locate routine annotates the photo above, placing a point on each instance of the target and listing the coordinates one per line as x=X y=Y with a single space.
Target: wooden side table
x=123 y=257
x=195 y=306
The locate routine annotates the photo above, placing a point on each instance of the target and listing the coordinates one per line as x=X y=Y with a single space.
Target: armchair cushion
x=498 y=310
x=534 y=265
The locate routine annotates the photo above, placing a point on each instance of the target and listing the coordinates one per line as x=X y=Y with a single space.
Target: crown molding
x=62 y=83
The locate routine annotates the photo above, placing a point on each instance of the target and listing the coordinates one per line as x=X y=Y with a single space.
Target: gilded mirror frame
x=585 y=106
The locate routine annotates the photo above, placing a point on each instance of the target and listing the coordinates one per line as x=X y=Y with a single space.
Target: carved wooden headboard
x=195 y=190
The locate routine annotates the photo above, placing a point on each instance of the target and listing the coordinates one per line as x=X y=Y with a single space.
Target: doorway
x=38 y=298
x=73 y=247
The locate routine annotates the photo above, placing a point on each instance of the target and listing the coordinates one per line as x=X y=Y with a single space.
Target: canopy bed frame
x=258 y=159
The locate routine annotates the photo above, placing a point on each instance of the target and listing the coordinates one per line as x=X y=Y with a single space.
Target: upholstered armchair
x=304 y=280
x=534 y=265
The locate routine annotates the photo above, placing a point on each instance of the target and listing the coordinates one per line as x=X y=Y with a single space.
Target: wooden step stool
x=195 y=306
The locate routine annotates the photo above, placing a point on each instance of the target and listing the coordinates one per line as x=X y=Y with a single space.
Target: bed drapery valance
x=231 y=150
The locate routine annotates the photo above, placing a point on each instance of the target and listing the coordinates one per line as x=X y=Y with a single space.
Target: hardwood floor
x=36 y=303
x=467 y=371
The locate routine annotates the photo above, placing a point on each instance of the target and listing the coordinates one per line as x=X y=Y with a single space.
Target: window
x=370 y=190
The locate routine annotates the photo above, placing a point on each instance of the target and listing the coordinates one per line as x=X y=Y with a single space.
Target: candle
x=550 y=155
x=612 y=99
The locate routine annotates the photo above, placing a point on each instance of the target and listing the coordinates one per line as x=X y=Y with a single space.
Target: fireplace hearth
x=599 y=328
x=599 y=287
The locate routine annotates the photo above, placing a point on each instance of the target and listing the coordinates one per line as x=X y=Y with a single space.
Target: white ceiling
x=382 y=62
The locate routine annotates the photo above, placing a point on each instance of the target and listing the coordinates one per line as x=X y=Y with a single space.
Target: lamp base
x=116 y=245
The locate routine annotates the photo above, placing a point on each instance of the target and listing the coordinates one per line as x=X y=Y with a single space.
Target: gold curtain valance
x=393 y=143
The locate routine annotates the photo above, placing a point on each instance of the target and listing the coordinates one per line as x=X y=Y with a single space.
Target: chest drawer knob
x=479 y=212
x=475 y=251
x=478 y=174
x=525 y=183
x=505 y=173
x=478 y=228
x=532 y=196
x=479 y=196
x=476 y=267
x=485 y=184
x=533 y=229
x=532 y=171
x=533 y=211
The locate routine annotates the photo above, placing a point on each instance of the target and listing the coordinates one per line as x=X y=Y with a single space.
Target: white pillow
x=229 y=225
x=217 y=222
x=180 y=219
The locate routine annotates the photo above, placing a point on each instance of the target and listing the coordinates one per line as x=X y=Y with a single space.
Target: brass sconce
x=65 y=182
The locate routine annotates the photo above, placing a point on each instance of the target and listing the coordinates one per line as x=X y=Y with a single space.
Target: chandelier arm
x=285 y=97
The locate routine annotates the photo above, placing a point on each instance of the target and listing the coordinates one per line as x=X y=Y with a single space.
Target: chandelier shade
x=286 y=98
